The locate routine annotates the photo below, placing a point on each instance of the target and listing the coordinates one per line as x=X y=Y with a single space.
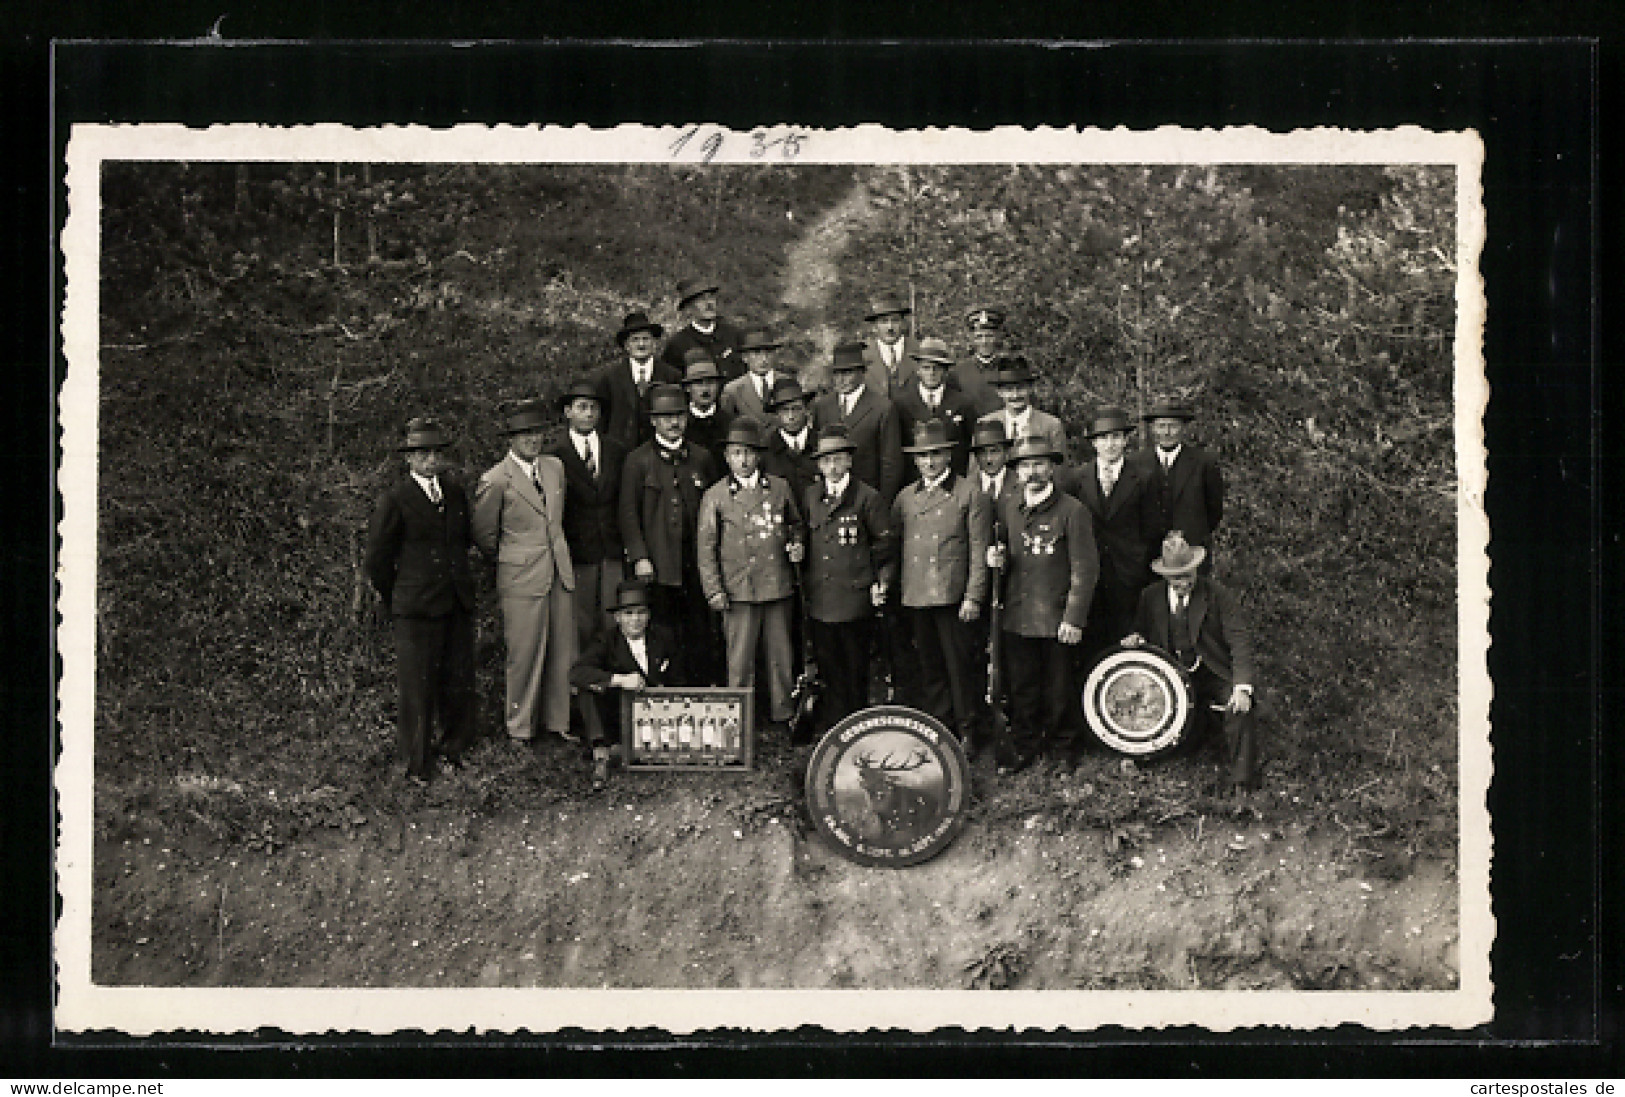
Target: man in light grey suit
x=519 y=522
x=748 y=395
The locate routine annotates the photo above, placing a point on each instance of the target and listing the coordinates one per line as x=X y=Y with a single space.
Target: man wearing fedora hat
x=751 y=393
x=519 y=523
x=1013 y=381
x=707 y=421
x=944 y=526
x=1118 y=494
x=624 y=387
x=971 y=374
x=889 y=356
x=850 y=569
x=869 y=418
x=750 y=539
x=418 y=544
x=662 y=484
x=1200 y=623
x=592 y=491
x=927 y=395
x=697 y=303
x=790 y=444
x=1189 y=488
x=1045 y=539
x=635 y=654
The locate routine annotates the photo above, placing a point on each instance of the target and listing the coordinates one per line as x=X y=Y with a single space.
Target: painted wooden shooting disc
x=1138 y=701
x=888 y=786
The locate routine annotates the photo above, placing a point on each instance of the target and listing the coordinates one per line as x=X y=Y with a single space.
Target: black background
x=1551 y=426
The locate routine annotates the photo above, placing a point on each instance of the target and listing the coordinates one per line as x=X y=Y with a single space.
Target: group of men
x=704 y=518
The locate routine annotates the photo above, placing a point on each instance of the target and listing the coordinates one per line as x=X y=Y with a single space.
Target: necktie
x=434 y=491
x=1181 y=628
x=640 y=375
x=1108 y=480
x=592 y=462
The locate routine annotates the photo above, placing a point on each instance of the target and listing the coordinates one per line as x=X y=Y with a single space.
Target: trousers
x=1046 y=709
x=947 y=654
x=434 y=660
x=744 y=624
x=684 y=610
x=541 y=639
x=1239 y=729
x=595 y=591
x=842 y=651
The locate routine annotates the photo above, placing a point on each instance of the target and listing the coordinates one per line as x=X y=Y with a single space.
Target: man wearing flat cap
x=703 y=328
x=927 y=395
x=1200 y=623
x=889 y=354
x=519 y=523
x=623 y=388
x=751 y=393
x=707 y=421
x=1189 y=488
x=1014 y=380
x=418 y=544
x=1119 y=495
x=971 y=374
x=869 y=419
x=750 y=540
x=592 y=491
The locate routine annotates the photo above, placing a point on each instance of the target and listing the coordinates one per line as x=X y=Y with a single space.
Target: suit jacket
x=723 y=343
x=944 y=536
x=1052 y=564
x=522 y=530
x=592 y=522
x=1125 y=523
x=1038 y=422
x=710 y=432
x=739 y=397
x=796 y=467
x=1006 y=486
x=970 y=376
x=626 y=414
x=417 y=553
x=660 y=506
x=879 y=378
x=874 y=429
x=850 y=547
x=742 y=537
x=1190 y=498
x=1218 y=627
x=954 y=407
x=609 y=654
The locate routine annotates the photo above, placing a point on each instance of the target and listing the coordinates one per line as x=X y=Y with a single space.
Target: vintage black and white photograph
x=509 y=572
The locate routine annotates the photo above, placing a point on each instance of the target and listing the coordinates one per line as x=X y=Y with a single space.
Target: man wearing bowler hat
x=662 y=483
x=927 y=395
x=519 y=523
x=944 y=525
x=751 y=393
x=1046 y=541
x=1188 y=486
x=1119 y=495
x=1200 y=623
x=790 y=443
x=889 y=356
x=1014 y=381
x=750 y=539
x=592 y=490
x=697 y=302
x=623 y=388
x=850 y=569
x=971 y=374
x=417 y=559
x=869 y=419
x=707 y=422
x=634 y=654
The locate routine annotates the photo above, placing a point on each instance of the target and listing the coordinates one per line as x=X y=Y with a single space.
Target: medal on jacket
x=846 y=529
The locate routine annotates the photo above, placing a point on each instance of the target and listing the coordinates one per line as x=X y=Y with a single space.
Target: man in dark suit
x=707 y=422
x=790 y=453
x=870 y=421
x=1119 y=495
x=592 y=491
x=623 y=388
x=632 y=655
x=972 y=375
x=927 y=395
x=889 y=356
x=418 y=544
x=1200 y=623
x=697 y=302
x=1189 y=485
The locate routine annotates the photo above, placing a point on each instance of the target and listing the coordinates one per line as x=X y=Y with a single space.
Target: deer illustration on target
x=901 y=808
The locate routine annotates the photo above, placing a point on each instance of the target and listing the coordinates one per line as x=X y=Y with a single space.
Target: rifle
x=804 y=697
x=995 y=664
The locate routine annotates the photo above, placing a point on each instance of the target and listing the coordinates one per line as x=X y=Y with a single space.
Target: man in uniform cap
x=970 y=374
x=869 y=419
x=623 y=388
x=889 y=356
x=1189 y=487
x=697 y=302
x=1119 y=496
x=1014 y=382
x=750 y=539
x=1200 y=623
x=519 y=523
x=707 y=422
x=635 y=654
x=417 y=559
x=790 y=444
x=1047 y=542
x=751 y=393
x=927 y=395
x=662 y=483
x=592 y=491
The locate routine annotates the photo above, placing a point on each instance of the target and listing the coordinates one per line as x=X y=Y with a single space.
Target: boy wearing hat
x=707 y=422
x=632 y=655
x=1188 y=486
x=869 y=419
x=417 y=559
x=889 y=356
x=592 y=492
x=750 y=538
x=662 y=483
x=850 y=569
x=971 y=374
x=623 y=388
x=1014 y=382
x=944 y=525
x=927 y=395
x=1200 y=623
x=751 y=393
x=519 y=523
x=704 y=329
x=789 y=454
x=1117 y=493
x=1047 y=543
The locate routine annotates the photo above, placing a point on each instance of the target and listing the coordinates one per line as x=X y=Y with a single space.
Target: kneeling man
x=632 y=655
